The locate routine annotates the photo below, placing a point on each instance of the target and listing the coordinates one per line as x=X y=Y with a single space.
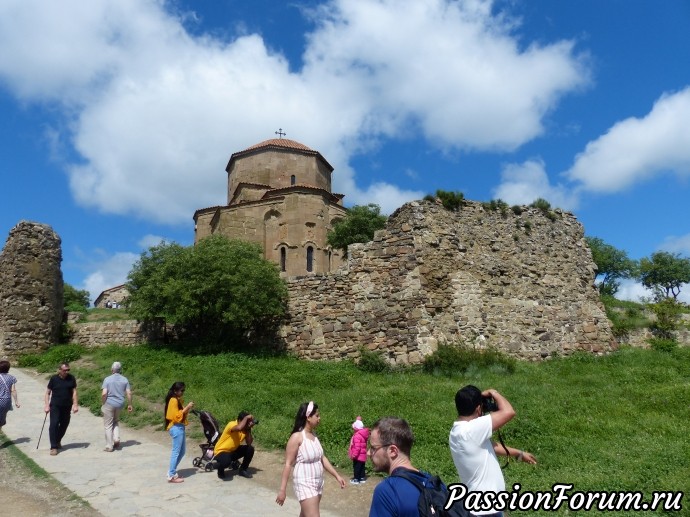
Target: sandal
x=175 y=479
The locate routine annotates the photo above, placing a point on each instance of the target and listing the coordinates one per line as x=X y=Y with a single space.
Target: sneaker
x=175 y=479
x=245 y=474
x=362 y=481
x=116 y=445
x=108 y=449
x=354 y=481
x=53 y=452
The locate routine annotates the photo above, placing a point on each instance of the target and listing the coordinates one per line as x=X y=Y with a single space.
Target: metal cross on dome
x=280 y=133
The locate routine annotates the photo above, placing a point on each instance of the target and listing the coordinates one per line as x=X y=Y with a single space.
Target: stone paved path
x=131 y=481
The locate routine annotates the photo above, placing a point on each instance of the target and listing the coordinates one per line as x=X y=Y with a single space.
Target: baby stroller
x=212 y=433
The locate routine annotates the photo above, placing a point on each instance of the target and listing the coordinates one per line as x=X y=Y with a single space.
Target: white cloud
x=637 y=149
x=675 y=244
x=154 y=113
x=523 y=183
x=147 y=241
x=109 y=272
x=635 y=292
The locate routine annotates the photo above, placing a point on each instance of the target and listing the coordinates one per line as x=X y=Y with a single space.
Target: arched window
x=283 y=259
x=310 y=259
x=293 y=179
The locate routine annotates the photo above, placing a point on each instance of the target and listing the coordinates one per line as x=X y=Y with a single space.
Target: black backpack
x=433 y=498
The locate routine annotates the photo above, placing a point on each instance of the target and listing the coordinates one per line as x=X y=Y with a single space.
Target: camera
x=489 y=405
x=255 y=421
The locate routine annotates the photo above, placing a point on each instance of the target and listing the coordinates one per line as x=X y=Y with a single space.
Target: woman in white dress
x=305 y=458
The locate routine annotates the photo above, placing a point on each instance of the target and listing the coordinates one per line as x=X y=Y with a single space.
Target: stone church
x=279 y=196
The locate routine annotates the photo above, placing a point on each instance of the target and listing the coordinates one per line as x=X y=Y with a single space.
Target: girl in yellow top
x=175 y=421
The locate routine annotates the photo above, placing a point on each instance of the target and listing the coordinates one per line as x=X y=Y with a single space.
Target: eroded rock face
x=521 y=281
x=31 y=289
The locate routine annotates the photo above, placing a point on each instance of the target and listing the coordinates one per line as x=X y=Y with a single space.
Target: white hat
x=358 y=424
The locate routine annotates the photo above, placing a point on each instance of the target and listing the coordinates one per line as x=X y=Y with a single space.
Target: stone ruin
x=520 y=281
x=31 y=289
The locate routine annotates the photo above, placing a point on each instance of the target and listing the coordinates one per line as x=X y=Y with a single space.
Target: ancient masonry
x=522 y=283
x=31 y=289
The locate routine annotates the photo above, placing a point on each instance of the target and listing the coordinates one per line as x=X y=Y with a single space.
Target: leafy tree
x=75 y=300
x=665 y=273
x=612 y=265
x=358 y=225
x=215 y=289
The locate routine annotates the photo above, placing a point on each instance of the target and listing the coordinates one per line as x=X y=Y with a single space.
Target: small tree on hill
x=612 y=265
x=216 y=289
x=75 y=300
x=358 y=225
x=665 y=273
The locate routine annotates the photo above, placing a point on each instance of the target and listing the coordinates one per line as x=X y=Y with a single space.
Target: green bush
x=370 y=361
x=51 y=358
x=452 y=201
x=663 y=345
x=517 y=209
x=451 y=360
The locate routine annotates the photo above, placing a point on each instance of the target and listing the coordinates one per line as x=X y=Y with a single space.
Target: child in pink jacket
x=358 y=451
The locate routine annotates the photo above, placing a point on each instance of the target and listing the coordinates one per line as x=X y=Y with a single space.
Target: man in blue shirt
x=389 y=449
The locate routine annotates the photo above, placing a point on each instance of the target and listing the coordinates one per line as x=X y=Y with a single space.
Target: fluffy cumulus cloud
x=637 y=149
x=109 y=272
x=153 y=112
x=522 y=183
x=679 y=245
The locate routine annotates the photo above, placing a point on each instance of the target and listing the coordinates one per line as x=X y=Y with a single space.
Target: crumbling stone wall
x=522 y=283
x=31 y=289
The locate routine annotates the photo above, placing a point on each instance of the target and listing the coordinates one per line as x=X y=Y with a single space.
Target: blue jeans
x=178 y=448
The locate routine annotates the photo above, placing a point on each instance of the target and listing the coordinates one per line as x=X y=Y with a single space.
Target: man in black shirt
x=60 y=399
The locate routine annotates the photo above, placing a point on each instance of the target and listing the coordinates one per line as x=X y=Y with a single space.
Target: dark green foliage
x=430 y=197
x=452 y=201
x=528 y=227
x=662 y=344
x=370 y=361
x=542 y=204
x=451 y=360
x=75 y=300
x=217 y=290
x=358 y=225
x=517 y=209
x=612 y=265
x=545 y=207
x=665 y=273
x=667 y=312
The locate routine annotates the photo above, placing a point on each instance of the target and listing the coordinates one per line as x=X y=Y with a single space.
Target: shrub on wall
x=457 y=359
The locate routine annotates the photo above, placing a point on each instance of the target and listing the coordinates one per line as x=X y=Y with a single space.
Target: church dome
x=279 y=142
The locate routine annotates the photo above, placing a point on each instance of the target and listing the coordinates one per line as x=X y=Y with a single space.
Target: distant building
x=279 y=196
x=114 y=295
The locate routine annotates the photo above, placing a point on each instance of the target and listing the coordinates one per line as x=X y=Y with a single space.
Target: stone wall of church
x=31 y=289
x=295 y=222
x=522 y=283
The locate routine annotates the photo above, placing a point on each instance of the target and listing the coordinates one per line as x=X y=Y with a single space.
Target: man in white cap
x=115 y=389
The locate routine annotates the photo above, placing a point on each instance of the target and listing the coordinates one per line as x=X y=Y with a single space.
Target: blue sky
x=118 y=118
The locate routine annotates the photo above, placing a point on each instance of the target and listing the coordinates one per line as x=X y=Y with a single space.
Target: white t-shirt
x=474 y=456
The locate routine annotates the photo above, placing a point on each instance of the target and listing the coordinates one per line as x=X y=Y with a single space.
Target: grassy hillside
x=601 y=423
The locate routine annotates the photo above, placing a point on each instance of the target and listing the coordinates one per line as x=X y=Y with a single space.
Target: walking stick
x=42 y=427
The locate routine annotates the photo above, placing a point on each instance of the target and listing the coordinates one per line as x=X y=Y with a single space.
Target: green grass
x=617 y=422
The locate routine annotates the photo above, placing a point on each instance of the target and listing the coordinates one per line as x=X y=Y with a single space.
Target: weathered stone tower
x=279 y=196
x=31 y=289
